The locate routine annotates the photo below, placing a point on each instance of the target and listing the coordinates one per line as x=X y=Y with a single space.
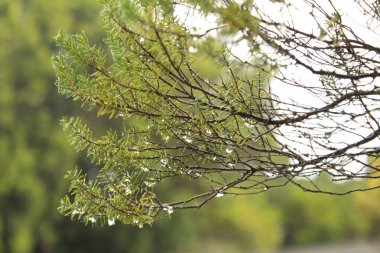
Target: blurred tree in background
x=31 y=143
x=32 y=151
x=34 y=155
x=321 y=218
x=369 y=203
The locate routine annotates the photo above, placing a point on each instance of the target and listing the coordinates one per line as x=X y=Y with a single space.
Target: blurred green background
x=34 y=156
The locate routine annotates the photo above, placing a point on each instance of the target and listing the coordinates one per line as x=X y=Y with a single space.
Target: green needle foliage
x=222 y=131
x=187 y=125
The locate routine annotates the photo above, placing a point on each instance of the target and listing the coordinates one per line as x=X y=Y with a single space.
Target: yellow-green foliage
x=33 y=152
x=193 y=109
